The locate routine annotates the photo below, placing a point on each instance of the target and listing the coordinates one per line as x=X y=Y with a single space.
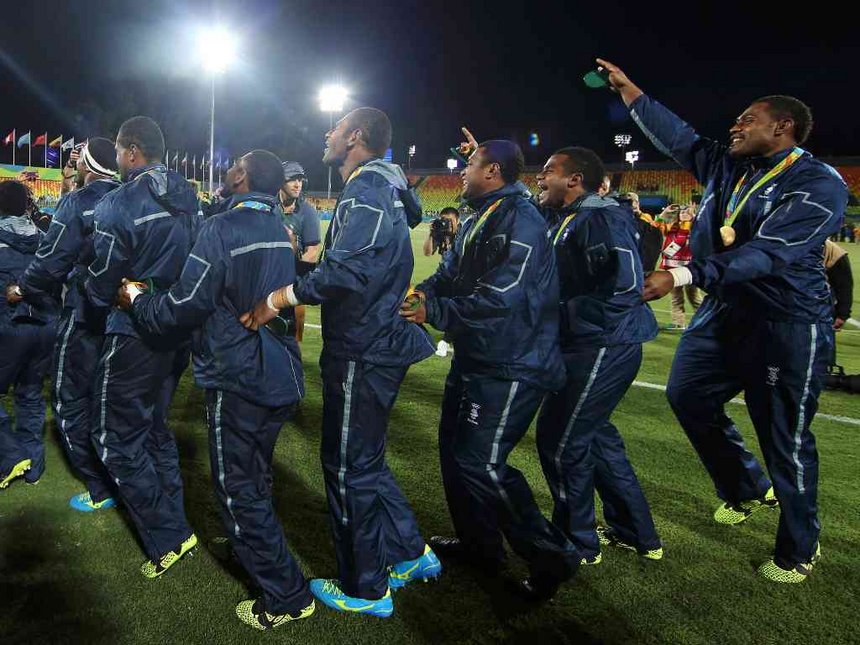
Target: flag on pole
x=10 y=138
x=41 y=140
x=68 y=144
x=202 y=162
x=185 y=159
x=24 y=140
x=56 y=143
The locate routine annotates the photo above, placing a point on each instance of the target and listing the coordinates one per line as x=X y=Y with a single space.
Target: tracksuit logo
x=772 y=375
x=473 y=413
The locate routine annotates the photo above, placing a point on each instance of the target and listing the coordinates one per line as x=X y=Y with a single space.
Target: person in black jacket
x=497 y=298
x=26 y=335
x=62 y=259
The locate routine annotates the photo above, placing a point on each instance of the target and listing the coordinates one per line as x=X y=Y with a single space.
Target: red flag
x=41 y=140
x=10 y=138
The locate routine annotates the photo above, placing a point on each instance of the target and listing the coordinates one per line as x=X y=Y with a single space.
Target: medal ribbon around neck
x=480 y=223
x=734 y=208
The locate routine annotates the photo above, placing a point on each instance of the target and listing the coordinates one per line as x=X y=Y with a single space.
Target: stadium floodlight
x=216 y=49
x=452 y=164
x=332 y=99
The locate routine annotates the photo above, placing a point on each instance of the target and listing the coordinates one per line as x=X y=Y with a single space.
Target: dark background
x=505 y=70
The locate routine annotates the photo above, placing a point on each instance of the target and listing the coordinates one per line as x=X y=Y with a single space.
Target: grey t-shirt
x=304 y=222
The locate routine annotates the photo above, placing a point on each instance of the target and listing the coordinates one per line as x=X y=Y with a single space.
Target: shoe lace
x=330 y=587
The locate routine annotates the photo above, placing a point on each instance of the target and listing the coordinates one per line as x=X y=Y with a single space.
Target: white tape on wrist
x=270 y=304
x=291 y=297
x=681 y=276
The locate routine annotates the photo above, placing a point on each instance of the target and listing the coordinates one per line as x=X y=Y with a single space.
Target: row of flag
x=221 y=163
x=41 y=140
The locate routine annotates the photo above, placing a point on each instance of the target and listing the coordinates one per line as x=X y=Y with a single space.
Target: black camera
x=837 y=379
x=442 y=232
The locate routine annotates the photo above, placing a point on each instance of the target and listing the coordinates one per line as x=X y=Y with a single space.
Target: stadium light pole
x=332 y=99
x=622 y=141
x=216 y=48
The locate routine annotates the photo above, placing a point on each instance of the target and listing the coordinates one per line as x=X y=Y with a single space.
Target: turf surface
x=70 y=577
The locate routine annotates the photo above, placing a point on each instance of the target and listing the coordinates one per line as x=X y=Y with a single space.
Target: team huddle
x=544 y=301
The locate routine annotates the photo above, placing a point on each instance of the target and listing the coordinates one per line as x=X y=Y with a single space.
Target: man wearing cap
x=299 y=216
x=61 y=261
x=497 y=297
x=303 y=221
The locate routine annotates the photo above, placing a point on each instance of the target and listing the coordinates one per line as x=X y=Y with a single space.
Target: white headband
x=94 y=165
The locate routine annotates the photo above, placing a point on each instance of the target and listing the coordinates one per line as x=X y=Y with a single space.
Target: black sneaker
x=537 y=589
x=453 y=548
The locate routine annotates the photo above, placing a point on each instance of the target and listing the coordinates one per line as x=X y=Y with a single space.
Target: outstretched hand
x=467 y=147
x=618 y=82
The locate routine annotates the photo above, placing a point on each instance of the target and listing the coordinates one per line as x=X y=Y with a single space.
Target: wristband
x=270 y=304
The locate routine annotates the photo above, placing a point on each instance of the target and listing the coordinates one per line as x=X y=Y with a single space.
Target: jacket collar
x=137 y=172
x=480 y=203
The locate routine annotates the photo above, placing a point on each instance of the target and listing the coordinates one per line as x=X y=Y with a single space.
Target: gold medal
x=728 y=235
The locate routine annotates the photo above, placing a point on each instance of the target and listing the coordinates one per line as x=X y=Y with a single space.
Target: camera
x=837 y=379
x=442 y=233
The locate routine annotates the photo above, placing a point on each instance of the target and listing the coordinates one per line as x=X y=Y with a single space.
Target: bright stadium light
x=632 y=157
x=216 y=50
x=332 y=99
x=452 y=164
x=216 y=47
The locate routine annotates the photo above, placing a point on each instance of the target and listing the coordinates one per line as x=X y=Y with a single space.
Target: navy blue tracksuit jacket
x=252 y=379
x=143 y=231
x=765 y=327
x=26 y=334
x=62 y=260
x=497 y=299
x=361 y=281
x=603 y=325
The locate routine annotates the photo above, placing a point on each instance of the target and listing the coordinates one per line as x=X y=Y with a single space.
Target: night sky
x=505 y=70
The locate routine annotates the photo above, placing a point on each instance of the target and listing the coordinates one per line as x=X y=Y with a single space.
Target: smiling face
x=477 y=175
x=337 y=143
x=757 y=134
x=555 y=183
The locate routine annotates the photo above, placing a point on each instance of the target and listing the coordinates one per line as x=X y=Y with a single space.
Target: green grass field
x=67 y=577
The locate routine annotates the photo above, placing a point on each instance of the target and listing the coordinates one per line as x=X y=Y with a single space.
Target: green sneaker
x=251 y=612
x=737 y=513
x=18 y=470
x=152 y=569
x=770 y=570
x=608 y=537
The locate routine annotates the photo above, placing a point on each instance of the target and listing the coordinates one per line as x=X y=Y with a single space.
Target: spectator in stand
x=676 y=223
x=605 y=186
x=650 y=235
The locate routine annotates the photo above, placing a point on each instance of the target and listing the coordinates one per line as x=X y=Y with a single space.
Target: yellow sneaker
x=770 y=570
x=737 y=513
x=17 y=471
x=152 y=569
x=251 y=612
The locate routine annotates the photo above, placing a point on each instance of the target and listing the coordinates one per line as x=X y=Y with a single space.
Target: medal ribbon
x=480 y=224
x=562 y=227
x=734 y=208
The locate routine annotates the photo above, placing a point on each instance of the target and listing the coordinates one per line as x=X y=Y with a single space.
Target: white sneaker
x=442 y=348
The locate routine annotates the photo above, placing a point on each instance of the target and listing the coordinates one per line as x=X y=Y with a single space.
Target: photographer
x=442 y=232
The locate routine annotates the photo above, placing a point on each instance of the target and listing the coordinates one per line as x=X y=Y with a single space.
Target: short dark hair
x=265 y=172
x=14 y=197
x=788 y=107
x=145 y=134
x=450 y=209
x=585 y=162
x=507 y=154
x=375 y=128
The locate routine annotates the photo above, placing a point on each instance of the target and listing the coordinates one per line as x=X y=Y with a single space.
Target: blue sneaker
x=329 y=593
x=85 y=503
x=423 y=568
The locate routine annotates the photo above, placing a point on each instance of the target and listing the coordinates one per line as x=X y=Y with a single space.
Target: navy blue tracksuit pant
x=242 y=439
x=780 y=367
x=373 y=524
x=483 y=418
x=580 y=450
x=139 y=452
x=76 y=356
x=25 y=359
